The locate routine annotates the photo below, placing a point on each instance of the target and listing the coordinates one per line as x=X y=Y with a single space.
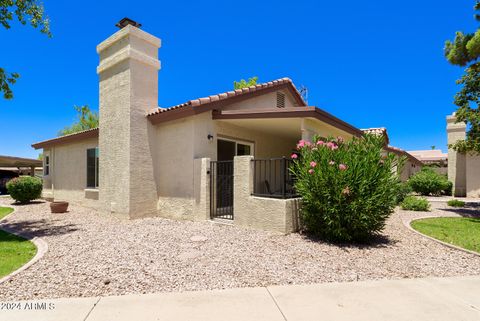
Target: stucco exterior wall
x=68 y=173
x=473 y=175
x=266 y=101
x=276 y=215
x=456 y=161
x=408 y=169
x=174 y=168
x=313 y=127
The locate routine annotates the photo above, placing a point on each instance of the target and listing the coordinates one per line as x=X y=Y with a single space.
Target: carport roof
x=11 y=161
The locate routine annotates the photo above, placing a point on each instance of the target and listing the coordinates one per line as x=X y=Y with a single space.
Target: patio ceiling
x=10 y=161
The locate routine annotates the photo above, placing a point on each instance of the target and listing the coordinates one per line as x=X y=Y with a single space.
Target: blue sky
x=370 y=63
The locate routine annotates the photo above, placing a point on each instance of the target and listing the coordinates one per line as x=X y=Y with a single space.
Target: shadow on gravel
x=39 y=228
x=30 y=203
x=377 y=241
x=470 y=210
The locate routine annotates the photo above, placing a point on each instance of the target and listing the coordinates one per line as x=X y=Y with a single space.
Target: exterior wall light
x=210 y=137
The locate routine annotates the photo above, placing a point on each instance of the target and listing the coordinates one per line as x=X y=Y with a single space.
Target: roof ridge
x=227 y=94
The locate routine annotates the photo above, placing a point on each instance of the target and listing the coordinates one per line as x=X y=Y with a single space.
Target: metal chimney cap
x=127 y=21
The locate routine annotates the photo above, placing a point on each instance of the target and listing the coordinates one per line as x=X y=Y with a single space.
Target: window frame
x=46 y=164
x=95 y=166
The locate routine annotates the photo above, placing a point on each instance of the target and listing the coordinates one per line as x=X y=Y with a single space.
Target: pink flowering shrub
x=348 y=188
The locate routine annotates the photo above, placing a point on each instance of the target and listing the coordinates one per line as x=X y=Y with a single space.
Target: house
x=411 y=164
x=463 y=169
x=220 y=157
x=434 y=158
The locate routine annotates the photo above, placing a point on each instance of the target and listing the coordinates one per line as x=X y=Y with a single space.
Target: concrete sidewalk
x=414 y=299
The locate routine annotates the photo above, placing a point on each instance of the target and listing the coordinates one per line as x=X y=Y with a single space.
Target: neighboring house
x=463 y=169
x=411 y=164
x=434 y=158
x=11 y=167
x=218 y=157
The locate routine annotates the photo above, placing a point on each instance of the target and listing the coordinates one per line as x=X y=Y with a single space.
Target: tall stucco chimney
x=456 y=161
x=128 y=74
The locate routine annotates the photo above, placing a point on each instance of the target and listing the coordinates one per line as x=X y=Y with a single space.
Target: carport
x=11 y=167
x=11 y=162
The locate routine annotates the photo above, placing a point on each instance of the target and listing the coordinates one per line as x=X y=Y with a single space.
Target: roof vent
x=127 y=21
x=280 y=100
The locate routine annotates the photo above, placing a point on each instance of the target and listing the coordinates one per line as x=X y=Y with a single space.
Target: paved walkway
x=436 y=299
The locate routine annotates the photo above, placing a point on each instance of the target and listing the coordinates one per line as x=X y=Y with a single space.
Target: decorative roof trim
x=200 y=105
x=89 y=133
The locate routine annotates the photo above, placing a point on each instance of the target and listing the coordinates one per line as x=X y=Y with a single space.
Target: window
x=92 y=167
x=280 y=100
x=46 y=165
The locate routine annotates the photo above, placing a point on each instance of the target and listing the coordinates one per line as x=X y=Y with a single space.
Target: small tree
x=244 y=84
x=348 y=189
x=87 y=119
x=465 y=51
x=26 y=11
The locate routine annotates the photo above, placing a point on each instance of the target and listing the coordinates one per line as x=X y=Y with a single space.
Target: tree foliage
x=87 y=119
x=26 y=11
x=245 y=83
x=463 y=51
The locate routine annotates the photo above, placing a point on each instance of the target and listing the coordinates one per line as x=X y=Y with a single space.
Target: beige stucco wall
x=473 y=175
x=68 y=173
x=174 y=167
x=276 y=215
x=265 y=101
x=456 y=161
x=314 y=127
x=409 y=168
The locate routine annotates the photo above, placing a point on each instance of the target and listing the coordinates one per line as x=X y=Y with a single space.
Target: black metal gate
x=221 y=189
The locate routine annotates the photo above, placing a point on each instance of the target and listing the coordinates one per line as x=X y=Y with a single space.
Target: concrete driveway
x=456 y=298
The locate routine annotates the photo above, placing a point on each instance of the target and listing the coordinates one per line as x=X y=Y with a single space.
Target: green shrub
x=403 y=190
x=23 y=189
x=456 y=203
x=413 y=203
x=447 y=190
x=348 y=188
x=428 y=182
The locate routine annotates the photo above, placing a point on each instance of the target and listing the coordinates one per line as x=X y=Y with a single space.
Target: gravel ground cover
x=91 y=254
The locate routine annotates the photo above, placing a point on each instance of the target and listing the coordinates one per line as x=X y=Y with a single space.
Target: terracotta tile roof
x=93 y=132
x=430 y=155
x=381 y=131
x=235 y=93
x=401 y=152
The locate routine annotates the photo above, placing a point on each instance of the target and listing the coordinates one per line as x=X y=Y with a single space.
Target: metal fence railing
x=273 y=178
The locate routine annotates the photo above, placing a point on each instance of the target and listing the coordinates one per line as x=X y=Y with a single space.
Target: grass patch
x=14 y=252
x=456 y=203
x=4 y=211
x=460 y=231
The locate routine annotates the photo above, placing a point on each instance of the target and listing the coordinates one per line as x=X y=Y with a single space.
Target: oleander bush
x=348 y=188
x=456 y=203
x=24 y=189
x=428 y=182
x=403 y=191
x=414 y=203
